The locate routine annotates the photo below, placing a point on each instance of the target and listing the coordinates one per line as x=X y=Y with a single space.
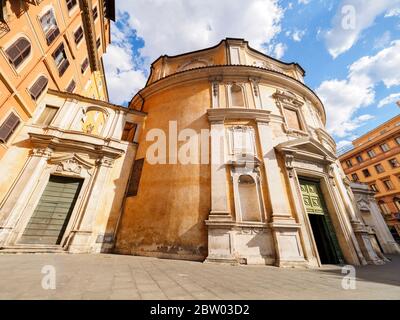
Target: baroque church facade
x=269 y=190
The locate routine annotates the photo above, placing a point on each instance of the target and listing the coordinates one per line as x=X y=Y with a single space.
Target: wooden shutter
x=8 y=127
x=38 y=87
x=135 y=177
x=18 y=51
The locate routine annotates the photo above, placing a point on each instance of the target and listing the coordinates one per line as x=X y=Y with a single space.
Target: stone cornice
x=222 y=114
x=45 y=141
x=231 y=72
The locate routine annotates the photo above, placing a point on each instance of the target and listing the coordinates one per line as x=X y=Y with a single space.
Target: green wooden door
x=51 y=216
x=321 y=224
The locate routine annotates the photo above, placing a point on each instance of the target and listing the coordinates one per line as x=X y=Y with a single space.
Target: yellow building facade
x=56 y=44
x=234 y=164
x=374 y=159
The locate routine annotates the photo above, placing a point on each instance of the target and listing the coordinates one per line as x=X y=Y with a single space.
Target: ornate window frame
x=288 y=100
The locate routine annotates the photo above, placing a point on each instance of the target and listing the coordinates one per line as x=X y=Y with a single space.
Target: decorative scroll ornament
x=70 y=165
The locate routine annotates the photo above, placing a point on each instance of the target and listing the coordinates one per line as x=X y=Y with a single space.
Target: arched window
x=93 y=121
x=38 y=87
x=384 y=207
x=18 y=51
x=237 y=96
x=249 y=203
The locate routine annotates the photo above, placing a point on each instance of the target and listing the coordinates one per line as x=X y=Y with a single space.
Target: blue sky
x=350 y=49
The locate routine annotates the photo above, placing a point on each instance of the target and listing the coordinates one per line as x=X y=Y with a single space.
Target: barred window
x=95 y=13
x=18 y=51
x=38 y=87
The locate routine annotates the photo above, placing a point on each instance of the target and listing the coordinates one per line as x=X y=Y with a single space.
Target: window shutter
x=38 y=87
x=8 y=127
x=71 y=86
x=18 y=51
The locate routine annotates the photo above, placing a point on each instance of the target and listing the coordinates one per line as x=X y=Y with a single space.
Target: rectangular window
x=384 y=147
x=71 y=86
x=8 y=127
x=95 y=13
x=61 y=60
x=98 y=43
x=371 y=153
x=354 y=177
x=373 y=187
x=71 y=4
x=78 y=35
x=398 y=140
x=366 y=173
x=349 y=164
x=292 y=119
x=359 y=158
x=49 y=26
x=394 y=163
x=379 y=168
x=388 y=184
x=384 y=207
x=135 y=177
x=47 y=115
x=129 y=132
x=84 y=65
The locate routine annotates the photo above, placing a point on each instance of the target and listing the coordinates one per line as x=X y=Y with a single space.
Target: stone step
x=31 y=249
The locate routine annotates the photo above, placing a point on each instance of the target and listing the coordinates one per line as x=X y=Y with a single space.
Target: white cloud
x=345 y=30
x=303 y=1
x=343 y=143
x=297 y=35
x=176 y=26
x=124 y=78
x=279 y=50
x=392 y=98
x=395 y=12
x=382 y=41
x=343 y=98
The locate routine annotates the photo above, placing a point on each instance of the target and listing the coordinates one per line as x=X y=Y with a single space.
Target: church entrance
x=321 y=225
x=51 y=216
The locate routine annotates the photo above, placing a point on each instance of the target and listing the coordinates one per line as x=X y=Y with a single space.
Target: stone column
x=288 y=247
x=13 y=205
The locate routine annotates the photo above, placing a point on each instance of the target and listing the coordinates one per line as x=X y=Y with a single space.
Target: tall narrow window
x=384 y=207
x=394 y=163
x=61 y=60
x=38 y=87
x=47 y=115
x=71 y=86
x=98 y=43
x=71 y=4
x=354 y=177
x=129 y=132
x=349 y=163
x=384 y=147
x=379 y=168
x=8 y=127
x=359 y=158
x=397 y=140
x=371 y=153
x=49 y=26
x=95 y=13
x=135 y=177
x=366 y=173
x=388 y=184
x=373 y=187
x=84 y=65
x=237 y=96
x=18 y=51
x=396 y=201
x=78 y=35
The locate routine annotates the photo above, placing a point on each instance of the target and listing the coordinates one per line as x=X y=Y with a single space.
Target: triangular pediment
x=306 y=147
x=73 y=157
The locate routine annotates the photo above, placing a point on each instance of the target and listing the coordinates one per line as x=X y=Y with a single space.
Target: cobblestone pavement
x=130 y=277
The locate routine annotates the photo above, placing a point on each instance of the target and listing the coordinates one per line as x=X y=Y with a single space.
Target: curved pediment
x=306 y=148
